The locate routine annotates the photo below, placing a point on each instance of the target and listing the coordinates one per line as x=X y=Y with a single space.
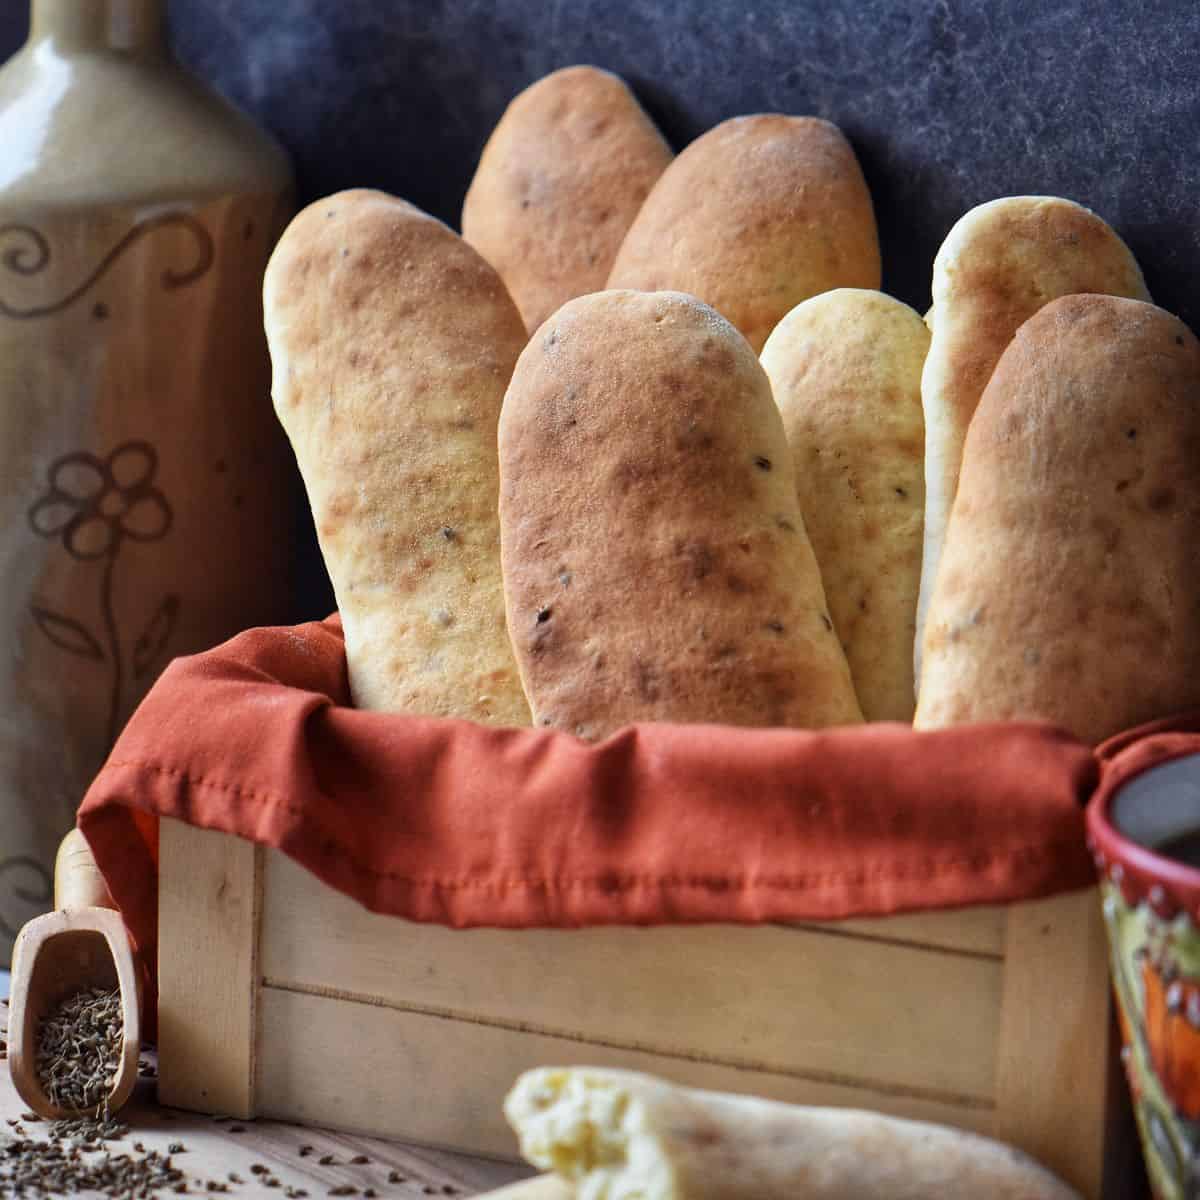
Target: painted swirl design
x=26 y=251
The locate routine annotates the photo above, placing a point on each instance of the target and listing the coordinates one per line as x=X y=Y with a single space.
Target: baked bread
x=1070 y=581
x=621 y=1135
x=559 y=182
x=754 y=216
x=999 y=264
x=845 y=368
x=391 y=343
x=655 y=562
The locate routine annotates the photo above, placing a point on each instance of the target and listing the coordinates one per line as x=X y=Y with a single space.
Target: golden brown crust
x=1070 y=580
x=845 y=368
x=655 y=561
x=999 y=264
x=559 y=182
x=392 y=342
x=754 y=216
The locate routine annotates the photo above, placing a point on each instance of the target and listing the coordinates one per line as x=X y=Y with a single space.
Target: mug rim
x=1115 y=853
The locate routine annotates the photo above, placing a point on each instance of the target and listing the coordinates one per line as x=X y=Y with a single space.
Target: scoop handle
x=77 y=880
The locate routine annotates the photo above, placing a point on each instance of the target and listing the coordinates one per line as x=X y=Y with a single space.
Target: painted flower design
x=96 y=505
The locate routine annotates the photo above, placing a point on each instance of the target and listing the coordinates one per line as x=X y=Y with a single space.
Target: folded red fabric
x=451 y=822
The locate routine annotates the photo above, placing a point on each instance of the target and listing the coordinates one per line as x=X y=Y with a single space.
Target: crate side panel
x=367 y=1068
x=787 y=998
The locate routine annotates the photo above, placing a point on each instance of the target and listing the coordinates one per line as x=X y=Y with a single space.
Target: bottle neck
x=129 y=26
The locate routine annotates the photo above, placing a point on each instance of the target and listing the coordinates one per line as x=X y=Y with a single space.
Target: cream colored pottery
x=146 y=491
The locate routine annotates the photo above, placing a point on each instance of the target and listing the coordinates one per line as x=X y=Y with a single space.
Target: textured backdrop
x=947 y=104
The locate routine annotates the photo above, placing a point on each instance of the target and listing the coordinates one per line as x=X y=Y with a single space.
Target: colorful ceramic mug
x=1145 y=837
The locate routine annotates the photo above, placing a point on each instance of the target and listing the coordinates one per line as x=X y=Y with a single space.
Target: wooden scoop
x=81 y=945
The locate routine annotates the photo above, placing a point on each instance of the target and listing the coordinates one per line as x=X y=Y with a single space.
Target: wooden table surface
x=227 y=1151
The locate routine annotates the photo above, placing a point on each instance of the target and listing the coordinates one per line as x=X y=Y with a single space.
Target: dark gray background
x=948 y=104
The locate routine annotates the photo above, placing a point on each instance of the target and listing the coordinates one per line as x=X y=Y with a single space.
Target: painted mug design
x=1155 y=950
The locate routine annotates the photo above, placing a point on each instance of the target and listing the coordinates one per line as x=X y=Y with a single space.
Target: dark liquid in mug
x=1185 y=848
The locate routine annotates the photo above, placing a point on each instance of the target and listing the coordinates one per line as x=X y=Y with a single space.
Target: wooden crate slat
x=976 y=930
x=800 y=999
x=1053 y=1063
x=209 y=898
x=442 y=1080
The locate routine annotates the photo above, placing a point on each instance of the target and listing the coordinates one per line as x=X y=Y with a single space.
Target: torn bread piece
x=754 y=216
x=655 y=562
x=559 y=183
x=619 y=1135
x=999 y=264
x=845 y=368
x=1069 y=588
x=392 y=342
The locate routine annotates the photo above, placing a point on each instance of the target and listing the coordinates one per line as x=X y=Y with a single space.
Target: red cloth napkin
x=447 y=821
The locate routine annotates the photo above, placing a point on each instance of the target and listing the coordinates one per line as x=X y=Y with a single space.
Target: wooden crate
x=280 y=997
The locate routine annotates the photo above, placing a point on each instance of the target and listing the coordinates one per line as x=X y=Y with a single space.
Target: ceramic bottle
x=146 y=490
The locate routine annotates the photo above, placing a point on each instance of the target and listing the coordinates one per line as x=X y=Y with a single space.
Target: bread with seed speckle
x=391 y=343
x=655 y=561
x=558 y=185
x=845 y=368
x=754 y=216
x=999 y=264
x=1069 y=587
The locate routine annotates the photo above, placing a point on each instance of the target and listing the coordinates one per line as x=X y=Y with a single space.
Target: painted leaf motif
x=152 y=642
x=67 y=633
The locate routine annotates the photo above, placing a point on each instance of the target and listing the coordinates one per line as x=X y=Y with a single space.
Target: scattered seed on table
x=449 y=1189
x=327 y=1160
x=234 y=1177
x=305 y=1151
x=258 y=1169
x=343 y=1189
x=359 y=1159
x=30 y=1117
x=370 y=1193
x=395 y=1177
x=272 y=1182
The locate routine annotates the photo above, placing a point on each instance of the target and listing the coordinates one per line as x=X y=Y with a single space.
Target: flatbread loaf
x=1070 y=580
x=619 y=1135
x=391 y=343
x=558 y=185
x=999 y=264
x=754 y=216
x=655 y=560
x=845 y=368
